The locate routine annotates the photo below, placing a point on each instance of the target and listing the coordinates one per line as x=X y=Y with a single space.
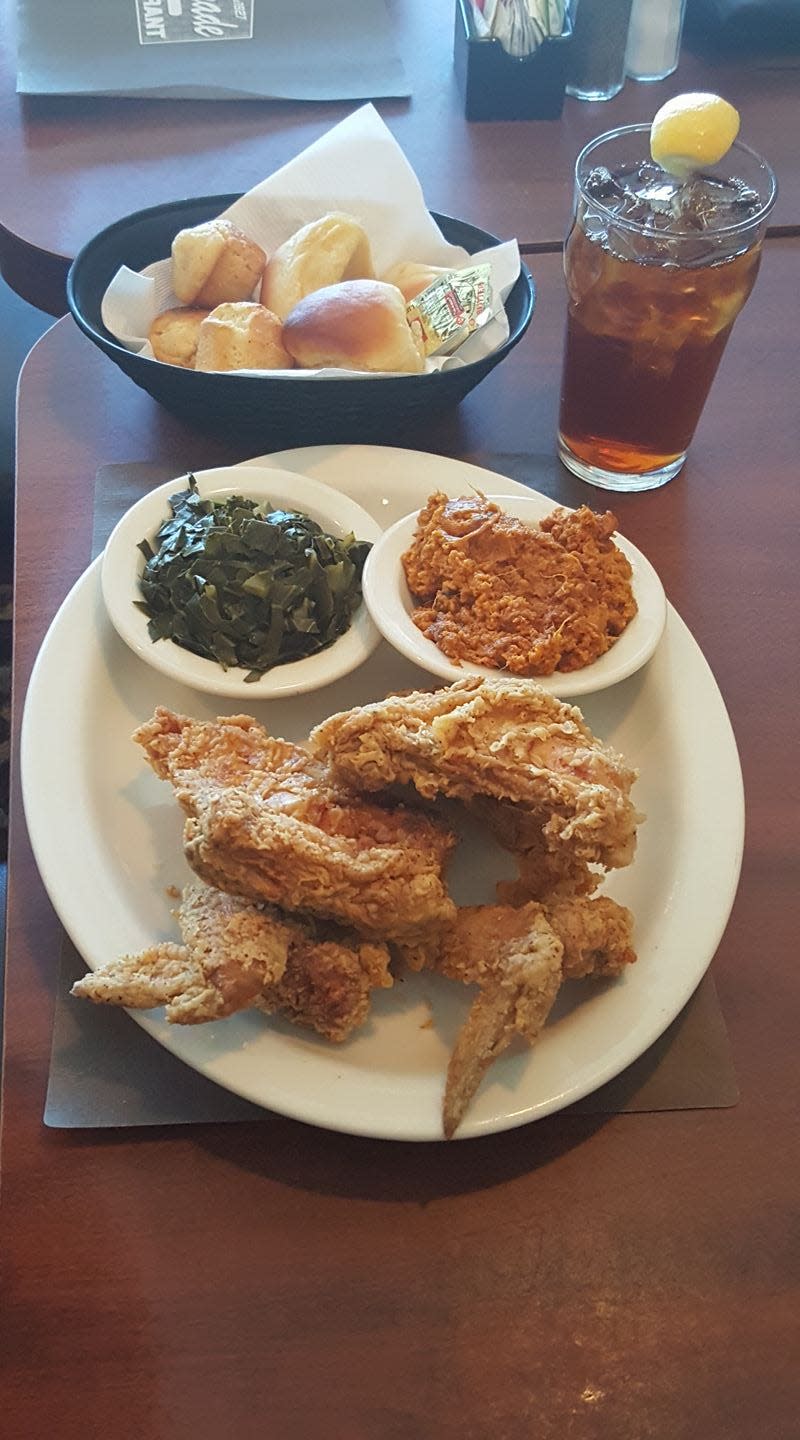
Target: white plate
x=123 y=563
x=106 y=835
x=390 y=604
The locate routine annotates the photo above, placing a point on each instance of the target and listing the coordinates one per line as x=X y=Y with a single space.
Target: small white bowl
x=391 y=607
x=123 y=563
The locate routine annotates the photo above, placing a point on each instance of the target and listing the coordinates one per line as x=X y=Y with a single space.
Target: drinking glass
x=656 y=271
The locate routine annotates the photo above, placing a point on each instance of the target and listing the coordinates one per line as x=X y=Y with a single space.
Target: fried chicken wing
x=595 y=935
x=236 y=955
x=544 y=870
x=518 y=959
x=518 y=1003
x=156 y=976
x=560 y=790
x=269 y=822
x=231 y=951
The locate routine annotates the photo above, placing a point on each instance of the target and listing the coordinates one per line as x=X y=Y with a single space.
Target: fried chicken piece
x=156 y=976
x=268 y=822
x=495 y=591
x=518 y=958
x=328 y=984
x=543 y=873
x=595 y=933
x=236 y=955
x=506 y=739
x=519 y=975
x=231 y=951
x=518 y=1003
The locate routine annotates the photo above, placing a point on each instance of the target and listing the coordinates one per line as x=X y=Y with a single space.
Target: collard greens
x=246 y=585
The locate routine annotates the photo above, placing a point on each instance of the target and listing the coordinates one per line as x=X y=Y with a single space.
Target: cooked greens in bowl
x=243 y=581
x=245 y=584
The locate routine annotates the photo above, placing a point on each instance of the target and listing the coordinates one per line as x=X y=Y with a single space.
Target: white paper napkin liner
x=140 y=292
x=357 y=167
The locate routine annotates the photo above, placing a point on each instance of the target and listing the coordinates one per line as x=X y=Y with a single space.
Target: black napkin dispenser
x=498 y=86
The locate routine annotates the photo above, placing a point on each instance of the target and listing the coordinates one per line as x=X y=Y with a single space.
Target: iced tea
x=657 y=270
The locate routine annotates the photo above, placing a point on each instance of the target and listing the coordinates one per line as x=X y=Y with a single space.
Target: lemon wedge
x=692 y=131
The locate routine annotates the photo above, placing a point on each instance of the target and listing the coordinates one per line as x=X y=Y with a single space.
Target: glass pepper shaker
x=596 y=64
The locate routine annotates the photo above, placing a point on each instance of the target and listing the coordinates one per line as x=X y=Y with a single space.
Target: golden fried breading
x=156 y=976
x=518 y=958
x=327 y=985
x=595 y=933
x=268 y=822
x=506 y=739
x=495 y=591
x=235 y=750
x=236 y=955
x=520 y=976
x=230 y=952
x=544 y=870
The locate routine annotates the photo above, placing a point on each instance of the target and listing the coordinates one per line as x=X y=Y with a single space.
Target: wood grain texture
x=583 y=1278
x=73 y=165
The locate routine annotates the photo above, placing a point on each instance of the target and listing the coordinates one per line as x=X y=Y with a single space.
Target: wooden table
x=578 y=1279
x=74 y=165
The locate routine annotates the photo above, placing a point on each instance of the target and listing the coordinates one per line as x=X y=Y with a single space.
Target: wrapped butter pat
x=451 y=308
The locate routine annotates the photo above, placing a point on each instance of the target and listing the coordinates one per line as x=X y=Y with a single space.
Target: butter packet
x=451 y=308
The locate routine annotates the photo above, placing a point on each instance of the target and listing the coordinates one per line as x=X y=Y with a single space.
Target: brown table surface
x=582 y=1278
x=74 y=165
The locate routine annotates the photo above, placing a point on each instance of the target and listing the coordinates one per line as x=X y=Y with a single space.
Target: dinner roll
x=215 y=262
x=412 y=278
x=328 y=250
x=173 y=336
x=357 y=325
x=241 y=336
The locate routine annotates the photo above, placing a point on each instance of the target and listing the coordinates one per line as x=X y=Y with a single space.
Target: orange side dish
x=529 y=599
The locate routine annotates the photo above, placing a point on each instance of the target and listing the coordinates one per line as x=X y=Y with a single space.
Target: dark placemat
x=105 y=1071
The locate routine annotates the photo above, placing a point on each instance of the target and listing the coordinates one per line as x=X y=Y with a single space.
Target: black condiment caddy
x=498 y=86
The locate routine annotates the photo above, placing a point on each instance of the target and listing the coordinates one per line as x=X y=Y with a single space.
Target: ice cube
x=595 y=227
x=661 y=193
x=645 y=173
x=709 y=203
x=604 y=187
x=664 y=197
x=747 y=201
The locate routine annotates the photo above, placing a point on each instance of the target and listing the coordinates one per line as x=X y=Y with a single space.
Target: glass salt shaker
x=596 y=57
x=654 y=38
